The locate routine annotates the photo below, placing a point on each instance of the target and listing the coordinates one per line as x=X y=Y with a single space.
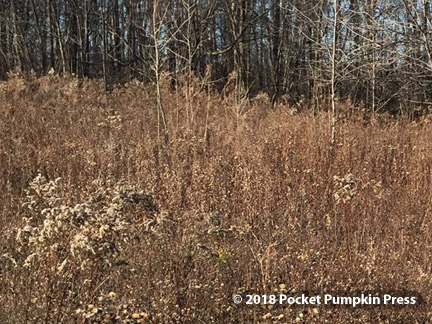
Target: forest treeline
x=374 y=53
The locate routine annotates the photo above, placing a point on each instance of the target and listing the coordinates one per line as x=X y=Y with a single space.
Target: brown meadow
x=104 y=223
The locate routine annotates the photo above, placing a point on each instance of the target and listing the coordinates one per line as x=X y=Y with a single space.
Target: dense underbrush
x=102 y=222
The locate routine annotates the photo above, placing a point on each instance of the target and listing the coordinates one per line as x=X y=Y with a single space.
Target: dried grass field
x=102 y=222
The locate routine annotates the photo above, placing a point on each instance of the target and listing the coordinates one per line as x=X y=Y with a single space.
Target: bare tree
x=159 y=15
x=333 y=73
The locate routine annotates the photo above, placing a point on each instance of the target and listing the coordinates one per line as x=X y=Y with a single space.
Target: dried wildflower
x=9 y=257
x=92 y=230
x=267 y=316
x=345 y=188
x=62 y=266
x=303 y=256
x=92 y=312
x=29 y=259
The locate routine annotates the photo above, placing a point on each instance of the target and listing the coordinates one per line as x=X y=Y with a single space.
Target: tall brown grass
x=103 y=223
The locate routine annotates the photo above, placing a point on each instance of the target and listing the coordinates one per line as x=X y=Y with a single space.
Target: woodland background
x=382 y=57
